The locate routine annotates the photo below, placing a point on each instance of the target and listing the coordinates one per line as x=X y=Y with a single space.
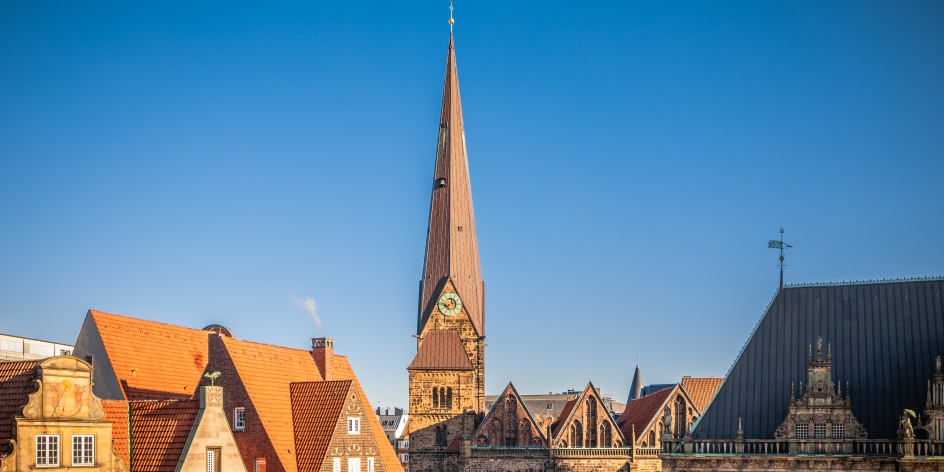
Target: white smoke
x=310 y=307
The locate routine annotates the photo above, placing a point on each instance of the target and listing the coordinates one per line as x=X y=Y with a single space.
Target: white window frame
x=86 y=443
x=353 y=464
x=260 y=461
x=337 y=465
x=370 y=464
x=50 y=446
x=353 y=426
x=239 y=418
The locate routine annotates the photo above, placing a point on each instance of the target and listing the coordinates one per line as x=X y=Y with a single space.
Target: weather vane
x=774 y=244
x=452 y=20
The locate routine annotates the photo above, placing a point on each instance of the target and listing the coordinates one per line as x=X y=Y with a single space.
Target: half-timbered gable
x=509 y=423
x=585 y=422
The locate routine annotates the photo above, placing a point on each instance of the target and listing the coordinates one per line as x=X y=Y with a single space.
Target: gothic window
x=819 y=431
x=680 y=423
x=576 y=434
x=442 y=435
x=591 y=423
x=482 y=440
x=524 y=433
x=606 y=434
x=839 y=431
x=495 y=432
x=449 y=398
x=652 y=438
x=510 y=405
x=802 y=431
x=435 y=397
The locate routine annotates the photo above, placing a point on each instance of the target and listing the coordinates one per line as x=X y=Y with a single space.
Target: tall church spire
x=452 y=253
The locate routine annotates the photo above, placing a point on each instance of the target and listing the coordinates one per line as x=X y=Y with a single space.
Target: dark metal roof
x=884 y=337
x=441 y=349
x=635 y=389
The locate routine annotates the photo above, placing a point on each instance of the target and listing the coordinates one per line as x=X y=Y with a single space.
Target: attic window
x=353 y=426
x=239 y=418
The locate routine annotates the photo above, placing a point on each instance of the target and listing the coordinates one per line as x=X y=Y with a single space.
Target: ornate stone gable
x=821 y=412
x=586 y=423
x=65 y=392
x=509 y=423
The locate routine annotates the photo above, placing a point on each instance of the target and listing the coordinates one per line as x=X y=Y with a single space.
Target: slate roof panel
x=160 y=430
x=316 y=410
x=884 y=337
x=16 y=384
x=441 y=349
x=168 y=366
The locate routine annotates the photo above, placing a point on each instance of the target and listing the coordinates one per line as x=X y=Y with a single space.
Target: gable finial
x=452 y=20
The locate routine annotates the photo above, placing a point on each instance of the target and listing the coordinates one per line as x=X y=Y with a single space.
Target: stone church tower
x=447 y=376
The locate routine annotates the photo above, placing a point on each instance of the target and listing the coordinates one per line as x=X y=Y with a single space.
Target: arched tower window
x=449 y=397
x=681 y=424
x=435 y=397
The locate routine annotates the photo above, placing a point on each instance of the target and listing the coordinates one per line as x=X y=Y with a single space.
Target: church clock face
x=449 y=304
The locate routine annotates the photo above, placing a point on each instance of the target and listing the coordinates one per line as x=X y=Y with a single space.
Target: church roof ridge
x=866 y=282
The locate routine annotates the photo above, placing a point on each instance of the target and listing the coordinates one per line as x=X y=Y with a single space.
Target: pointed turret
x=452 y=253
x=635 y=390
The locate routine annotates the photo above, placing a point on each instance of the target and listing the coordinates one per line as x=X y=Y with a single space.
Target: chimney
x=322 y=349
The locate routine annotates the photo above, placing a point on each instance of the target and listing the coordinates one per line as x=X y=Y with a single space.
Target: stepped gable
x=342 y=371
x=642 y=411
x=316 y=410
x=266 y=372
x=116 y=411
x=701 y=390
x=441 y=349
x=16 y=384
x=160 y=430
x=168 y=366
x=884 y=337
x=509 y=411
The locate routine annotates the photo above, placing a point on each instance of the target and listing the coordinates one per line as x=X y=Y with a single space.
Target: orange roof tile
x=701 y=390
x=641 y=411
x=316 y=410
x=441 y=349
x=168 y=366
x=266 y=372
x=343 y=371
x=159 y=432
x=16 y=383
x=117 y=412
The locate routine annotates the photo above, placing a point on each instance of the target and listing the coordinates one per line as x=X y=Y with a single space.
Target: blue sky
x=222 y=162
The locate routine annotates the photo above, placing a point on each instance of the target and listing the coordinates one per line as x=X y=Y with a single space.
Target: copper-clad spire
x=452 y=252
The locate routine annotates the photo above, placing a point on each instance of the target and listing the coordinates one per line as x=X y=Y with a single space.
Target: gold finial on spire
x=452 y=20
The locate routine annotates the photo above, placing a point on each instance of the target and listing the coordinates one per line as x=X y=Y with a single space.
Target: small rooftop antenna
x=452 y=20
x=774 y=244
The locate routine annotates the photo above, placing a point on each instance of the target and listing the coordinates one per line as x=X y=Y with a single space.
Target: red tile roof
x=266 y=372
x=168 y=365
x=559 y=422
x=701 y=390
x=117 y=412
x=316 y=411
x=159 y=431
x=641 y=411
x=343 y=371
x=441 y=349
x=16 y=383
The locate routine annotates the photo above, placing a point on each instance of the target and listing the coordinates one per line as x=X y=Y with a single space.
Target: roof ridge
x=143 y=319
x=866 y=282
x=260 y=343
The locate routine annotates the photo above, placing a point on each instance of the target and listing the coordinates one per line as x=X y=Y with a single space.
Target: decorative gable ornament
x=821 y=416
